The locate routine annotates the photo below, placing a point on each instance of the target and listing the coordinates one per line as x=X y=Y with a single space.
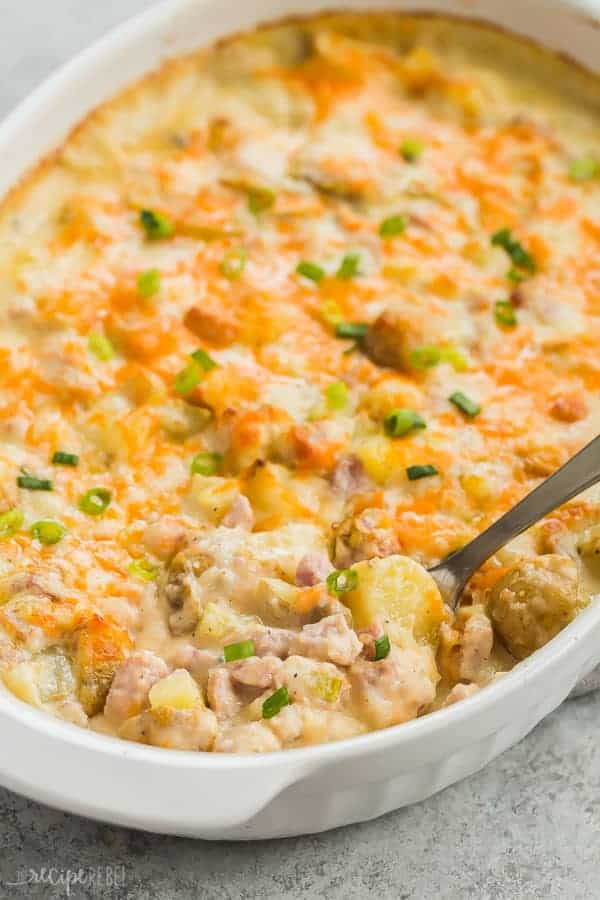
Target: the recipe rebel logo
x=100 y=878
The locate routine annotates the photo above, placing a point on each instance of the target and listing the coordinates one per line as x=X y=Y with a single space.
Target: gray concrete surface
x=525 y=828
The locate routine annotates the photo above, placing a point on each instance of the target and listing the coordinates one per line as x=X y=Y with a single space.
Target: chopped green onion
x=260 y=199
x=504 y=313
x=234 y=263
x=148 y=283
x=275 y=703
x=205 y=361
x=349 y=266
x=515 y=276
x=60 y=458
x=95 y=501
x=188 y=379
x=310 y=270
x=457 y=360
x=144 y=569
x=425 y=357
x=100 y=346
x=31 y=483
x=241 y=650
x=336 y=395
x=206 y=463
x=331 y=313
x=392 y=226
x=411 y=149
x=400 y=421
x=382 y=647
x=341 y=581
x=416 y=472
x=465 y=404
x=10 y=522
x=355 y=331
x=584 y=169
x=156 y=225
x=515 y=250
x=47 y=532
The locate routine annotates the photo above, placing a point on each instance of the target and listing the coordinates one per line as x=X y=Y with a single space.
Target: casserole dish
x=233 y=799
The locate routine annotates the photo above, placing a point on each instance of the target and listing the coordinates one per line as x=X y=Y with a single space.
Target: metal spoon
x=579 y=473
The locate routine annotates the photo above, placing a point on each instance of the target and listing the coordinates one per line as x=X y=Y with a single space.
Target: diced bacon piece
x=330 y=640
x=313 y=569
x=128 y=693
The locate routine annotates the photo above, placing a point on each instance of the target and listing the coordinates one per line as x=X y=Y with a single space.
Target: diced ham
x=368 y=636
x=395 y=689
x=476 y=645
x=213 y=323
x=460 y=692
x=221 y=694
x=253 y=737
x=287 y=724
x=272 y=641
x=313 y=569
x=128 y=693
x=165 y=537
x=197 y=661
x=173 y=729
x=240 y=514
x=330 y=640
x=349 y=476
x=256 y=671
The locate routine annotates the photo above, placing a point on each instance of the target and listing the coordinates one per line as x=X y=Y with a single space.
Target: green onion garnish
x=411 y=149
x=234 y=263
x=95 y=501
x=10 y=522
x=241 y=650
x=392 y=226
x=400 y=421
x=31 y=483
x=100 y=346
x=188 y=379
x=275 y=703
x=515 y=250
x=310 y=270
x=206 y=463
x=354 y=331
x=205 y=361
x=584 y=169
x=455 y=357
x=504 y=313
x=331 y=313
x=260 y=199
x=465 y=404
x=341 y=581
x=60 y=458
x=156 y=225
x=144 y=569
x=336 y=395
x=425 y=357
x=382 y=647
x=148 y=283
x=349 y=266
x=47 y=532
x=416 y=472
x=515 y=276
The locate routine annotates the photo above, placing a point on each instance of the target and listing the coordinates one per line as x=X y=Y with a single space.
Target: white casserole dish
x=312 y=789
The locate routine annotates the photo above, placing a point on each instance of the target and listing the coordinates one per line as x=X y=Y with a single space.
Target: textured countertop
x=526 y=827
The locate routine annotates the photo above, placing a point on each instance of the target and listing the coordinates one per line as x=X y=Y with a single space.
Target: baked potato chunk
x=399 y=593
x=534 y=601
x=100 y=648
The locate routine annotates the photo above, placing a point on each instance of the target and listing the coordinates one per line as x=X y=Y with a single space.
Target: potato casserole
x=282 y=326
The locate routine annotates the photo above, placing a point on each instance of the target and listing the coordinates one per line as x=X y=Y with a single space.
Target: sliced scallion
x=100 y=346
x=60 y=458
x=205 y=361
x=411 y=149
x=349 y=266
x=382 y=647
x=260 y=199
x=520 y=257
x=401 y=421
x=416 y=472
x=584 y=169
x=241 y=650
x=467 y=406
x=336 y=395
x=144 y=569
x=95 y=501
x=342 y=581
x=47 y=532
x=187 y=379
x=310 y=270
x=156 y=225
x=392 y=226
x=10 y=522
x=504 y=313
x=425 y=357
x=354 y=331
x=148 y=283
x=206 y=463
x=275 y=703
x=32 y=483
x=234 y=263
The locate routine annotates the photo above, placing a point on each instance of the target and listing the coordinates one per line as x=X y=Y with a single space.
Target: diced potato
x=392 y=393
x=212 y=496
x=218 y=622
x=273 y=497
x=276 y=598
x=376 y=456
x=178 y=691
x=398 y=591
x=22 y=682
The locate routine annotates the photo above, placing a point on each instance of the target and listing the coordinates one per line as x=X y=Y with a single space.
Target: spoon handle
x=579 y=473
